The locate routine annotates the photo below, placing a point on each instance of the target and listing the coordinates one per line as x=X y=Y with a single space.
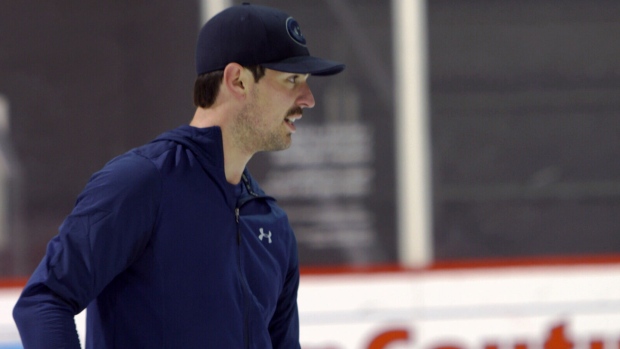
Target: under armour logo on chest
x=263 y=235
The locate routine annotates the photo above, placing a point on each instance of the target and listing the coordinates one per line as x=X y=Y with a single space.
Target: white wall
x=539 y=307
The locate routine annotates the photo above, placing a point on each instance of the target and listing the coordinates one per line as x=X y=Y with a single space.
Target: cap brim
x=307 y=65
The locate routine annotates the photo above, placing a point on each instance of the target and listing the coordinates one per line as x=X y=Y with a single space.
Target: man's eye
x=293 y=78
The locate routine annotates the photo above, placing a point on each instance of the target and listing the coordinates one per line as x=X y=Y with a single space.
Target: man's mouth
x=290 y=121
x=292 y=115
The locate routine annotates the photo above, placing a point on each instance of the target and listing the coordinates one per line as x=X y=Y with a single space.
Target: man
x=173 y=244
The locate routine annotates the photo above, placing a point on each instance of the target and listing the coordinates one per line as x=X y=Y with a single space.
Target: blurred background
x=521 y=120
x=463 y=133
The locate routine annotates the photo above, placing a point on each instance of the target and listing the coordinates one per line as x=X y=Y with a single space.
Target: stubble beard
x=253 y=136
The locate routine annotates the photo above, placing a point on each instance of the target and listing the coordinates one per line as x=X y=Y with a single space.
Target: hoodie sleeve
x=107 y=230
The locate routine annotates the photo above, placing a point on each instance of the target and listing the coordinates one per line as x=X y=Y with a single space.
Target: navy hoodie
x=165 y=253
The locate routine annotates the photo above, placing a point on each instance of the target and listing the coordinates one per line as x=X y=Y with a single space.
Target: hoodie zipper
x=244 y=284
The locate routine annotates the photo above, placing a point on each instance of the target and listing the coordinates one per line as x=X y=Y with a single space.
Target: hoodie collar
x=208 y=140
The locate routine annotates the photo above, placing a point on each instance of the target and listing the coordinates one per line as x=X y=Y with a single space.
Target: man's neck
x=235 y=160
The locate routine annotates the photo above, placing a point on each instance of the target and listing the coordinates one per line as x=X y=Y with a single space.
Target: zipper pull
x=238 y=229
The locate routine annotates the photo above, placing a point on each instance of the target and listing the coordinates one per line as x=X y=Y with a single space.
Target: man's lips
x=292 y=115
x=290 y=122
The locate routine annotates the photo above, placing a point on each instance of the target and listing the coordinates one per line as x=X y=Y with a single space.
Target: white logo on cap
x=294 y=31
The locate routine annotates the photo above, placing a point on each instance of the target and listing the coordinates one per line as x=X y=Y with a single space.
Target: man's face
x=274 y=103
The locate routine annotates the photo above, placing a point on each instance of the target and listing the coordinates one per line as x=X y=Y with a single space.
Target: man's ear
x=235 y=80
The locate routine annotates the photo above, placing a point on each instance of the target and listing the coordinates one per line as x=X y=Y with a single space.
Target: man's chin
x=280 y=145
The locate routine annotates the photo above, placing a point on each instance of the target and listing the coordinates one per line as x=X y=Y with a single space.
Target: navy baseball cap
x=257 y=35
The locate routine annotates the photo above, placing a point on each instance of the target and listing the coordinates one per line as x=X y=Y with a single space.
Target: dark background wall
x=525 y=99
x=524 y=119
x=86 y=82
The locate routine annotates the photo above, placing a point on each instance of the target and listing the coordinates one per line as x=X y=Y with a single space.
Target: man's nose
x=306 y=99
